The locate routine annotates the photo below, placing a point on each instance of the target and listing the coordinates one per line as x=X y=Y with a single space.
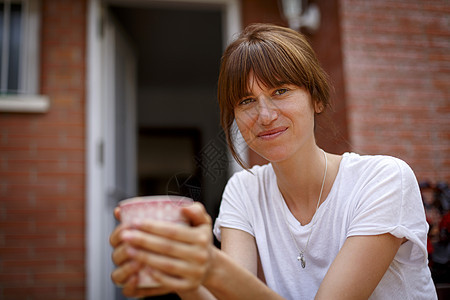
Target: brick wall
x=393 y=96
x=42 y=170
x=331 y=129
x=397 y=75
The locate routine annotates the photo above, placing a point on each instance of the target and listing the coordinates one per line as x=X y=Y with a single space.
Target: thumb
x=117 y=213
x=196 y=214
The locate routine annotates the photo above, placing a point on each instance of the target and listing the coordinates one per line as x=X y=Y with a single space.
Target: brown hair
x=274 y=54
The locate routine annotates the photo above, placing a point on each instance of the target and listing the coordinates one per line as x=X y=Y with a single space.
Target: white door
x=120 y=122
x=120 y=109
x=111 y=131
x=111 y=143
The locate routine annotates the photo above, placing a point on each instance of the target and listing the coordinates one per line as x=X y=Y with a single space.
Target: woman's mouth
x=271 y=134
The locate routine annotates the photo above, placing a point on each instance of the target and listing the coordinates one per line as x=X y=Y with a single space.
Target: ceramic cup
x=162 y=208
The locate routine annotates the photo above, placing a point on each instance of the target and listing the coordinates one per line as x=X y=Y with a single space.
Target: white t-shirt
x=371 y=195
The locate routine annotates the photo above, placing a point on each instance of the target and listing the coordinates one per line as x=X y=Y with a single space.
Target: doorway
x=179 y=143
x=178 y=50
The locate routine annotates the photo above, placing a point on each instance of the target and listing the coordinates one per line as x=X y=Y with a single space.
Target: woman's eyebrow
x=281 y=83
x=246 y=94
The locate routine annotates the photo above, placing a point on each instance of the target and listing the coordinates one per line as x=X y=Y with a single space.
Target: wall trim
x=24 y=104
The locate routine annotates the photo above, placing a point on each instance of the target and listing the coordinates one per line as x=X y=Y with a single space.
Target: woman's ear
x=318 y=107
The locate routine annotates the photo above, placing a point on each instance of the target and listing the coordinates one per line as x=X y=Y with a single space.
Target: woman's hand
x=179 y=256
x=126 y=274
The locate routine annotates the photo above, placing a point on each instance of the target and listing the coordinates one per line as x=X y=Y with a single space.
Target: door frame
x=105 y=39
x=98 y=227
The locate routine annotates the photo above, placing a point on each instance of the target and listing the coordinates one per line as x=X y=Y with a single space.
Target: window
x=19 y=57
x=10 y=36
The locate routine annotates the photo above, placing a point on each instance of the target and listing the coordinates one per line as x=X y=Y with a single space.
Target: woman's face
x=276 y=122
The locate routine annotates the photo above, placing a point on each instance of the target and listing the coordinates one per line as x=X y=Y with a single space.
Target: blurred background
x=107 y=99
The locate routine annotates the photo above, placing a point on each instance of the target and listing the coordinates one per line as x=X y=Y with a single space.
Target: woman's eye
x=280 y=91
x=246 y=101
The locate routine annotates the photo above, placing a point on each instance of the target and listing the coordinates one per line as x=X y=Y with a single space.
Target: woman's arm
x=240 y=246
x=359 y=267
x=235 y=264
x=229 y=280
x=236 y=268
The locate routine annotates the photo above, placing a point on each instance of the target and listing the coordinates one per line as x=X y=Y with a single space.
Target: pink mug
x=162 y=208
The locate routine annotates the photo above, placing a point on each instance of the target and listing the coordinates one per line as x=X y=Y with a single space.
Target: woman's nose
x=267 y=111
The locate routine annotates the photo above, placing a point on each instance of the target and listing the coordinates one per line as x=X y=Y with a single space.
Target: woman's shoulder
x=375 y=163
x=365 y=169
x=253 y=183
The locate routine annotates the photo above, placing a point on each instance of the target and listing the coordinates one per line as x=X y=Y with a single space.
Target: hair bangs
x=264 y=62
x=269 y=65
x=239 y=69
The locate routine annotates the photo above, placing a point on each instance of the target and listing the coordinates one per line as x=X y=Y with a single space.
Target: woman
x=307 y=225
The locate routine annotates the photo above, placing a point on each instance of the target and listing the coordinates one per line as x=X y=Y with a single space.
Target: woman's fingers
x=132 y=290
x=117 y=213
x=201 y=234
x=181 y=267
x=169 y=265
x=116 y=236
x=125 y=272
x=172 y=275
x=126 y=276
x=122 y=253
x=175 y=283
x=166 y=246
x=179 y=255
x=196 y=214
x=197 y=217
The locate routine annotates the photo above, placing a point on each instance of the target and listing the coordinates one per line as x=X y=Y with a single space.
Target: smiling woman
x=267 y=59
x=307 y=225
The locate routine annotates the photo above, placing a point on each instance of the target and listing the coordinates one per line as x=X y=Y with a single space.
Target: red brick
x=14 y=253
x=35 y=292
x=42 y=170
x=58 y=165
x=33 y=265
x=75 y=292
x=11 y=278
x=64 y=252
x=397 y=70
x=17 y=227
x=69 y=227
x=38 y=214
x=52 y=225
x=41 y=201
x=58 y=277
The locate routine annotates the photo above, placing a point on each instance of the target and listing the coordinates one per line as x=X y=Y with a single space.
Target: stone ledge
x=24 y=104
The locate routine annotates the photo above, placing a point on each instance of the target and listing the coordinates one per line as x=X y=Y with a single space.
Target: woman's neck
x=300 y=180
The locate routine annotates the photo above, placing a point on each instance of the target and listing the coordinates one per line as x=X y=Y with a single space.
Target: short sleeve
x=234 y=212
x=389 y=201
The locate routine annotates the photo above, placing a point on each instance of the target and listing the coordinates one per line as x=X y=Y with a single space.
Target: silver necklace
x=301 y=253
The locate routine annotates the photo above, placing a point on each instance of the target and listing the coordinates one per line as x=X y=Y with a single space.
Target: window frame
x=28 y=98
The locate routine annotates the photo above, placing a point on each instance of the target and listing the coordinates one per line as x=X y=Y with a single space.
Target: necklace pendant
x=301 y=259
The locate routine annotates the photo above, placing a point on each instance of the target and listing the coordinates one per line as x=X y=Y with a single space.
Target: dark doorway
x=179 y=140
